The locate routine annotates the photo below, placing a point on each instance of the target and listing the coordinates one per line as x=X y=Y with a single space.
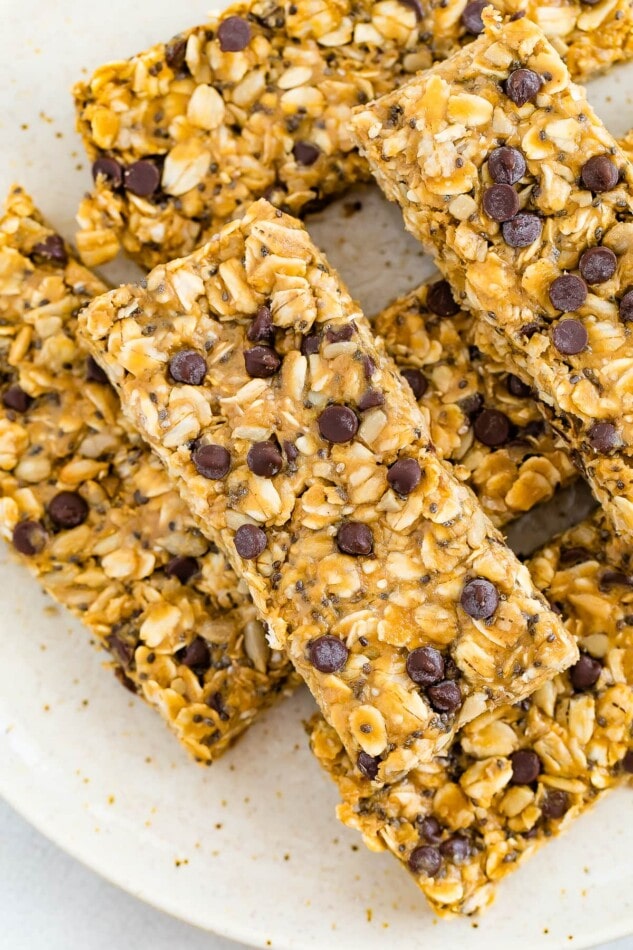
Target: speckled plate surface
x=250 y=848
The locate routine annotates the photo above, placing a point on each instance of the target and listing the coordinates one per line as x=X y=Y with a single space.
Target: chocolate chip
x=610 y=579
x=108 y=169
x=471 y=405
x=338 y=424
x=568 y=292
x=94 y=373
x=311 y=344
x=15 y=398
x=51 y=249
x=211 y=461
x=555 y=803
x=516 y=387
x=305 y=153
x=445 y=696
x=522 y=85
x=176 y=54
x=417 y=381
x=440 y=300
x=626 y=307
x=29 y=537
x=250 y=541
x=506 y=165
x=524 y=229
x=327 y=654
x=355 y=538
x=500 y=202
x=471 y=16
x=526 y=767
x=188 y=366
x=262 y=362
x=340 y=334
x=234 y=34
x=291 y=450
x=261 y=329
x=585 y=673
x=196 y=655
x=370 y=399
x=182 y=567
x=569 y=337
x=456 y=849
x=598 y=264
x=425 y=666
x=142 y=178
x=425 y=859
x=430 y=829
x=627 y=762
x=479 y=598
x=600 y=174
x=67 y=509
x=604 y=437
x=369 y=367
x=574 y=555
x=492 y=427
x=264 y=458
x=368 y=765
x=404 y=476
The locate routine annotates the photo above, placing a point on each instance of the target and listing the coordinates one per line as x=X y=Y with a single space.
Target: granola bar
x=503 y=169
x=520 y=774
x=256 y=379
x=256 y=102
x=91 y=511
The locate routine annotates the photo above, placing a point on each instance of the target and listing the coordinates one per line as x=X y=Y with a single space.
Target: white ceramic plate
x=250 y=848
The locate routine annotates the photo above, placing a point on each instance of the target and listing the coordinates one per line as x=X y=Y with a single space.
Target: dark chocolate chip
x=555 y=804
x=522 y=85
x=604 y=437
x=211 y=461
x=338 y=424
x=369 y=367
x=600 y=173
x=305 y=153
x=426 y=859
x=506 y=165
x=430 y=829
x=234 y=34
x=108 y=169
x=440 y=300
x=585 y=673
x=471 y=16
x=94 y=373
x=250 y=541
x=264 y=458
x=291 y=450
x=29 y=537
x=51 y=249
x=480 y=598
x=516 y=387
x=492 y=427
x=261 y=329
x=311 y=344
x=567 y=292
x=598 y=264
x=626 y=307
x=327 y=654
x=610 y=579
x=445 y=696
x=188 y=366
x=262 y=362
x=142 y=178
x=471 y=405
x=425 y=666
x=370 y=399
x=524 y=229
x=569 y=337
x=455 y=849
x=196 y=655
x=575 y=555
x=368 y=765
x=500 y=202
x=526 y=767
x=627 y=762
x=340 y=334
x=355 y=538
x=15 y=398
x=417 y=381
x=404 y=476
x=182 y=567
x=176 y=54
x=67 y=509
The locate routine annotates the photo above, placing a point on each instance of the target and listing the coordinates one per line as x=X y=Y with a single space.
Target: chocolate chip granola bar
x=256 y=102
x=254 y=376
x=91 y=511
x=503 y=169
x=518 y=775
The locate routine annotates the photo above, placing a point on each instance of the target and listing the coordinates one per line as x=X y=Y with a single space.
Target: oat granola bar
x=503 y=169
x=90 y=510
x=294 y=440
x=256 y=103
x=520 y=774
